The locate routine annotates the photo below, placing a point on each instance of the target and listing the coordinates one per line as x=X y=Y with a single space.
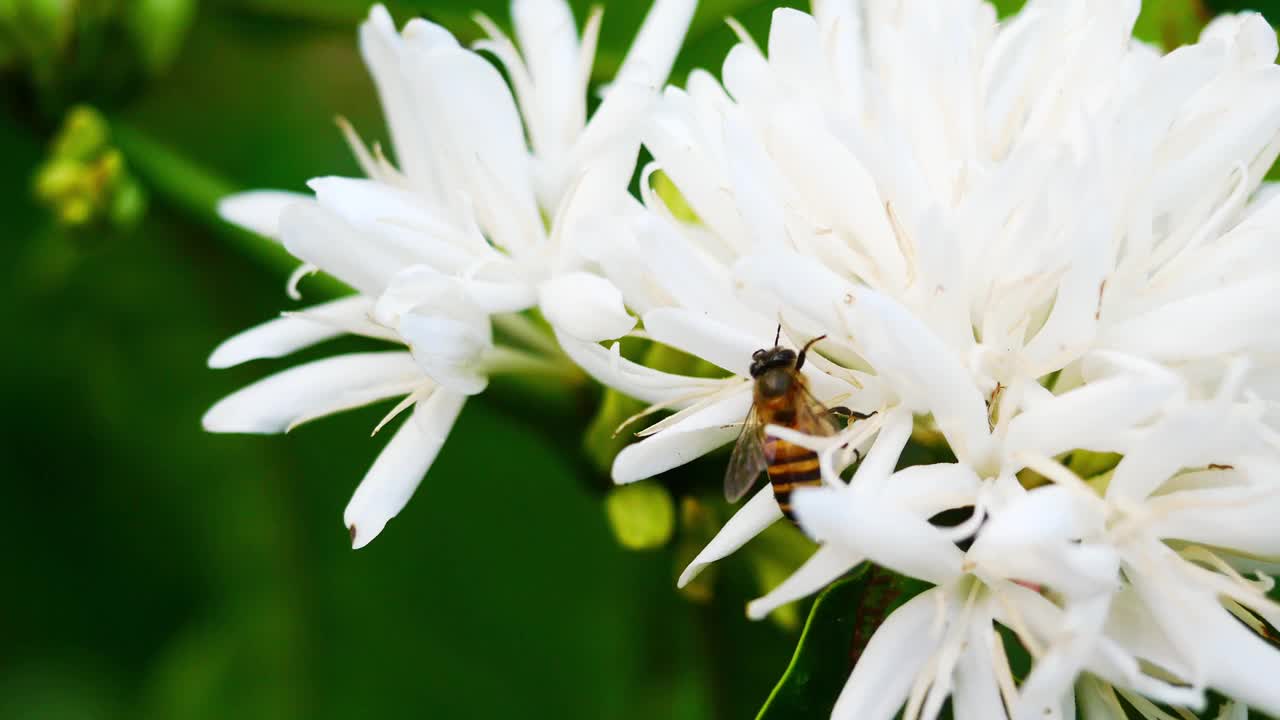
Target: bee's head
x=763 y=360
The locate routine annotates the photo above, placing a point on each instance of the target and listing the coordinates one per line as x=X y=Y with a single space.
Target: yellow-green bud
x=83 y=136
x=642 y=515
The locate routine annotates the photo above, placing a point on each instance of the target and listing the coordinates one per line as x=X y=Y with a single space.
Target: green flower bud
x=642 y=515
x=128 y=205
x=83 y=136
x=85 y=180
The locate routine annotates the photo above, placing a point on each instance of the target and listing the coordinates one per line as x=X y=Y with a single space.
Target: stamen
x=408 y=401
x=303 y=270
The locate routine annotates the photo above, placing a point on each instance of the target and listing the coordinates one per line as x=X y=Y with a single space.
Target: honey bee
x=781 y=397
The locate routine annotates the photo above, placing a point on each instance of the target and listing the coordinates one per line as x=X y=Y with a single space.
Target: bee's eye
x=757 y=355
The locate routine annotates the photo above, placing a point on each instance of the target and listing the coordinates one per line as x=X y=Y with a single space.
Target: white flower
x=1036 y=237
x=975 y=224
x=453 y=235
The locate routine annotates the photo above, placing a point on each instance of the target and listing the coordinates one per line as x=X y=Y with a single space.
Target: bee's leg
x=844 y=412
x=805 y=349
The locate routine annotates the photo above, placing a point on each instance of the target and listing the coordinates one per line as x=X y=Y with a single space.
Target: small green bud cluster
x=85 y=181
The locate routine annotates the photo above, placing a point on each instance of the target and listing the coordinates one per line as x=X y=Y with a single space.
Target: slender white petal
x=703 y=337
x=689 y=439
x=586 y=306
x=760 y=512
x=654 y=49
x=282 y=336
x=610 y=368
x=826 y=564
x=888 y=666
x=279 y=401
x=395 y=475
x=258 y=211
x=885 y=533
x=319 y=236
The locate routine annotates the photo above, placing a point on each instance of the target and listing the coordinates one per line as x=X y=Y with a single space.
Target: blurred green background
x=154 y=571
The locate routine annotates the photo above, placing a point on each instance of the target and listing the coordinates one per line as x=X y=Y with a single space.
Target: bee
x=781 y=397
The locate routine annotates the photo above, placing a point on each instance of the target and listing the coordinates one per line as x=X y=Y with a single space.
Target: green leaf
x=841 y=622
x=820 y=666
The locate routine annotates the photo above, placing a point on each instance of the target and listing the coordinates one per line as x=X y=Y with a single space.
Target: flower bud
x=642 y=515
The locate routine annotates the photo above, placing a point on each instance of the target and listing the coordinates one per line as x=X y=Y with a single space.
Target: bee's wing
x=812 y=417
x=747 y=461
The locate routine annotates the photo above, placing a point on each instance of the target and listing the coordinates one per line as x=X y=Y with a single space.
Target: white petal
x=877 y=467
x=685 y=441
x=701 y=336
x=585 y=306
x=826 y=564
x=929 y=489
x=1241 y=519
x=319 y=236
x=279 y=337
x=1231 y=319
x=654 y=50
x=760 y=512
x=1037 y=538
x=608 y=147
x=486 y=152
x=279 y=401
x=449 y=350
x=888 y=666
x=382 y=49
x=887 y=534
x=549 y=44
x=1230 y=658
x=258 y=211
x=395 y=475
x=1193 y=438
x=654 y=386
x=1099 y=416
x=977 y=693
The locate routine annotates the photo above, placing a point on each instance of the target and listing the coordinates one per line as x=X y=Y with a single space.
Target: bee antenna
x=778 y=335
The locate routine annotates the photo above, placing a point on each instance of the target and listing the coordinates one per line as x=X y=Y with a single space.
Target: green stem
x=503 y=359
x=523 y=329
x=195 y=191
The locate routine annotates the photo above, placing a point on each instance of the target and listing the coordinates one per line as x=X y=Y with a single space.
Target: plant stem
x=195 y=191
x=523 y=329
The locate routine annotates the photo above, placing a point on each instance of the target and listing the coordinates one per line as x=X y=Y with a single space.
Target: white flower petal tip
x=690 y=572
x=400 y=467
x=586 y=306
x=258 y=211
x=282 y=401
x=282 y=336
x=364 y=534
x=760 y=512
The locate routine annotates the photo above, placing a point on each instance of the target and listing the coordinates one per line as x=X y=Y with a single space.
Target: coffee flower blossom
x=467 y=226
x=1033 y=240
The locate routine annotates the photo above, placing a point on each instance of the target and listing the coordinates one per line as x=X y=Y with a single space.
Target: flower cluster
x=1038 y=244
x=467 y=230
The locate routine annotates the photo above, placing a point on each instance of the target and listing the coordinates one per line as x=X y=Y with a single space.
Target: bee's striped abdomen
x=790 y=467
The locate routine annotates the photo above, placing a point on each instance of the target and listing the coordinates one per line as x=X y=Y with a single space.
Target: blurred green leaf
x=781 y=550
x=820 y=666
x=1171 y=23
x=842 y=621
x=158 y=28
